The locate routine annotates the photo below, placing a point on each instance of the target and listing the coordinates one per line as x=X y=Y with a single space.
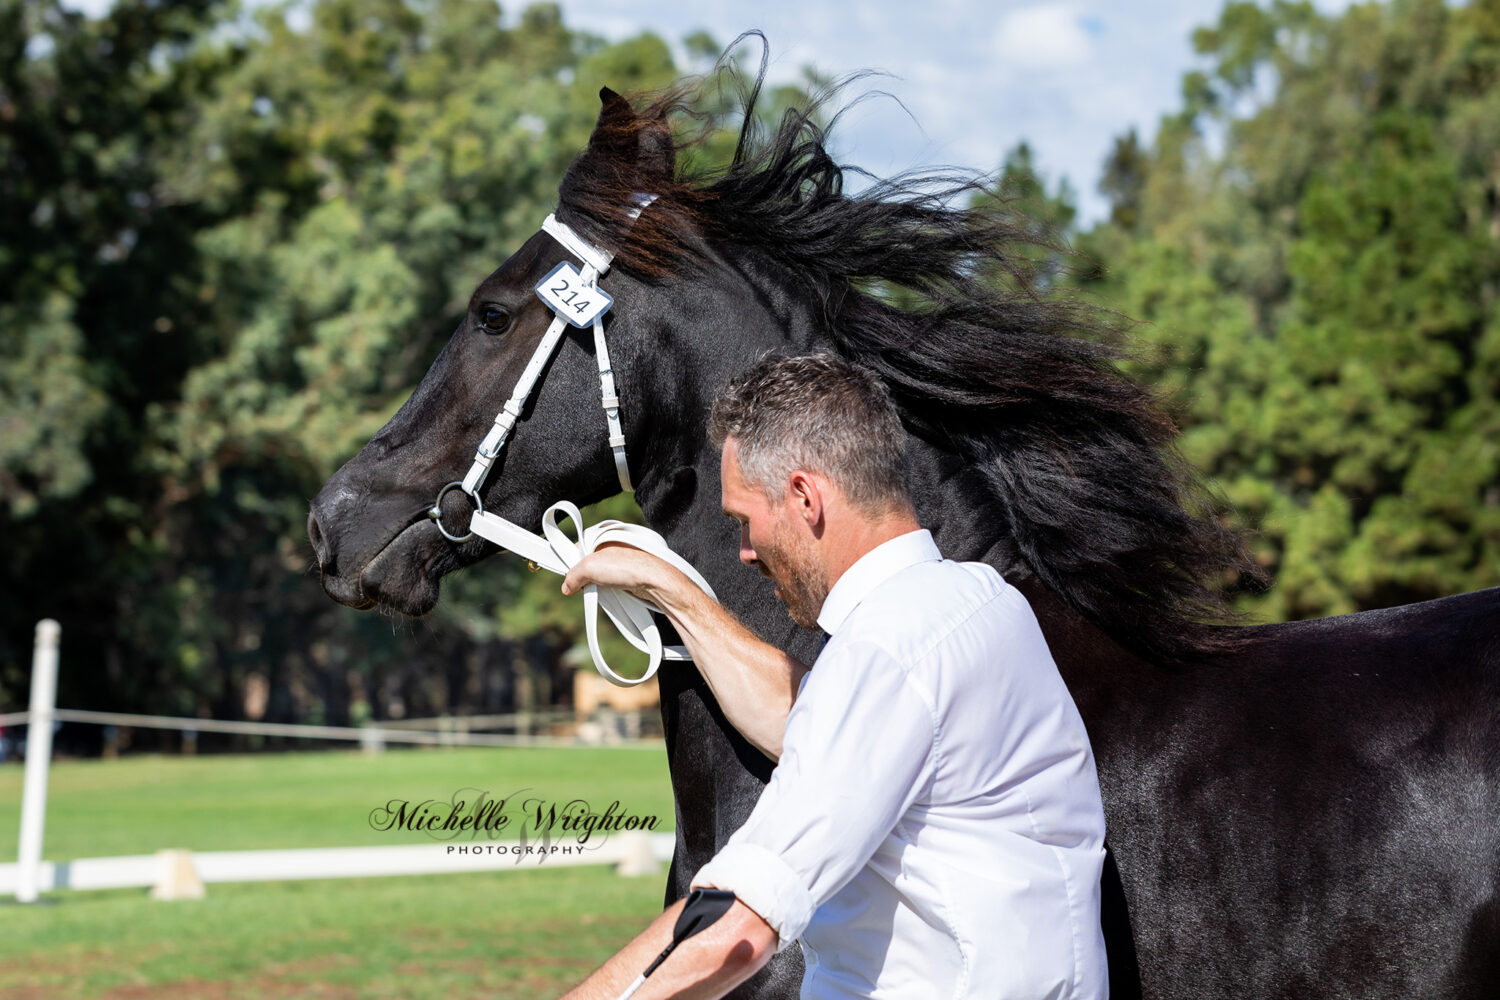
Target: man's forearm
x=703 y=967
x=754 y=682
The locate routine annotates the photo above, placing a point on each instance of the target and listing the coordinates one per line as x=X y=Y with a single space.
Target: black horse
x=1302 y=810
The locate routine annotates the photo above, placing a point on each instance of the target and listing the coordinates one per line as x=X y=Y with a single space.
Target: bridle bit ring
x=436 y=511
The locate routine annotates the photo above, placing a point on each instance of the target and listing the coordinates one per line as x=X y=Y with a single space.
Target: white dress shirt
x=934 y=827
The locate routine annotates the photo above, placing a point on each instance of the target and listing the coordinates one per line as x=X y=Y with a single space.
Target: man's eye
x=494 y=319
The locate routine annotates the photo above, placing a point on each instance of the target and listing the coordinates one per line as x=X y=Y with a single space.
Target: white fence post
x=38 y=757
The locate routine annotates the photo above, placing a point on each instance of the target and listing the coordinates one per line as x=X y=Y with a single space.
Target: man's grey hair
x=818 y=413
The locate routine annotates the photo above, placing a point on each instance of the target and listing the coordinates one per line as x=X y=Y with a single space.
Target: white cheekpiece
x=575 y=298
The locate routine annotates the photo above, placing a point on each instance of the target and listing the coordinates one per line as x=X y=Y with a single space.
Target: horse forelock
x=944 y=300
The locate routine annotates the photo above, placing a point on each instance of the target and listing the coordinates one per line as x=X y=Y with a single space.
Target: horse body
x=1318 y=817
x=1313 y=811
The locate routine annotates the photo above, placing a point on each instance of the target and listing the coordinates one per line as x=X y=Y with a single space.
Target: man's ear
x=805 y=493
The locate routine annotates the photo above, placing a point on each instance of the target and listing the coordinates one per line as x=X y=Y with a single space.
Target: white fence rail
x=360 y=734
x=633 y=853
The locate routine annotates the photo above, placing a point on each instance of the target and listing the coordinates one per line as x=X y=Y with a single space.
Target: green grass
x=527 y=933
x=138 y=805
x=524 y=932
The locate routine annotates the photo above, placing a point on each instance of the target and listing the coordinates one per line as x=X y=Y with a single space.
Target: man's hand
x=624 y=567
x=753 y=681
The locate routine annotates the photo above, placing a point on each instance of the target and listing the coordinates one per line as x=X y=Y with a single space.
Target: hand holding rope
x=554 y=550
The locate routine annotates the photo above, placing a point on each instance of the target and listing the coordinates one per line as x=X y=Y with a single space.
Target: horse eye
x=494 y=319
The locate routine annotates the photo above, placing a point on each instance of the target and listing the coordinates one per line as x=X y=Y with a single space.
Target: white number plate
x=565 y=294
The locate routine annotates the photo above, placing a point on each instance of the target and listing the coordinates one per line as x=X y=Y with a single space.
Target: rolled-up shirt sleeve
x=859 y=750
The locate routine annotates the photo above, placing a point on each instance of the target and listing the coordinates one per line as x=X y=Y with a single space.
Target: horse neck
x=680 y=491
x=970 y=525
x=680 y=365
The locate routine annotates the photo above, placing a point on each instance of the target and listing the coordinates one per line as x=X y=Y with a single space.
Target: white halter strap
x=595 y=264
x=553 y=549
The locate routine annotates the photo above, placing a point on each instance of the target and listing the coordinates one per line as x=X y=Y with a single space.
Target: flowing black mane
x=942 y=300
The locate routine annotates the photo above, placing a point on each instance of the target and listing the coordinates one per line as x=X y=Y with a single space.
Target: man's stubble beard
x=794 y=567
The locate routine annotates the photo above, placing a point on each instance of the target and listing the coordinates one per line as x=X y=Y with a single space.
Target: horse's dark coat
x=1310 y=810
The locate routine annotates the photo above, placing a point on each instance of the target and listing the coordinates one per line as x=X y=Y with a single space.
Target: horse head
x=369 y=525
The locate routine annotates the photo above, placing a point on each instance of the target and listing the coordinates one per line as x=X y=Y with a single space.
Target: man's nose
x=747 y=551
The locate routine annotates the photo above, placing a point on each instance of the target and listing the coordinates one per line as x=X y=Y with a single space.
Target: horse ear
x=615 y=113
x=622 y=134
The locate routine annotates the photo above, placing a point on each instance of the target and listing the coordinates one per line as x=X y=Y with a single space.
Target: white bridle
x=553 y=549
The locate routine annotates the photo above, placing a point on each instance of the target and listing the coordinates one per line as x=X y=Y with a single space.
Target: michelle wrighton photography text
x=473 y=813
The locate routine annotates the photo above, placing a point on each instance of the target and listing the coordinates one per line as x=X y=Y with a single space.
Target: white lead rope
x=553 y=549
x=630 y=990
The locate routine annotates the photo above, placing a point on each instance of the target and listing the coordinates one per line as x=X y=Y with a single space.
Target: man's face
x=774 y=541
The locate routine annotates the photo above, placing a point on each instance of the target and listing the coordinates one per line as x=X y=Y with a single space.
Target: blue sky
x=976 y=76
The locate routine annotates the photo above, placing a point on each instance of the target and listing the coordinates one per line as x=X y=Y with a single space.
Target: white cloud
x=1045 y=37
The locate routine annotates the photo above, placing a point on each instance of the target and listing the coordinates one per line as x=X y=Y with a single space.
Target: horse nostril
x=315 y=535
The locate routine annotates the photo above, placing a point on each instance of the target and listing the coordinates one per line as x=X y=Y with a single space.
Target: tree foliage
x=232 y=239
x=232 y=243
x=1314 y=244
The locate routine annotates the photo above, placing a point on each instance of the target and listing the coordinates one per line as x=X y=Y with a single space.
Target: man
x=933 y=827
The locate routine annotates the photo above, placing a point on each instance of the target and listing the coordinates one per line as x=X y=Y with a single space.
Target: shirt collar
x=871 y=570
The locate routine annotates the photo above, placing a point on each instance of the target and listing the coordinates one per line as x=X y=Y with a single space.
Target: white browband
x=591 y=255
x=553 y=549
